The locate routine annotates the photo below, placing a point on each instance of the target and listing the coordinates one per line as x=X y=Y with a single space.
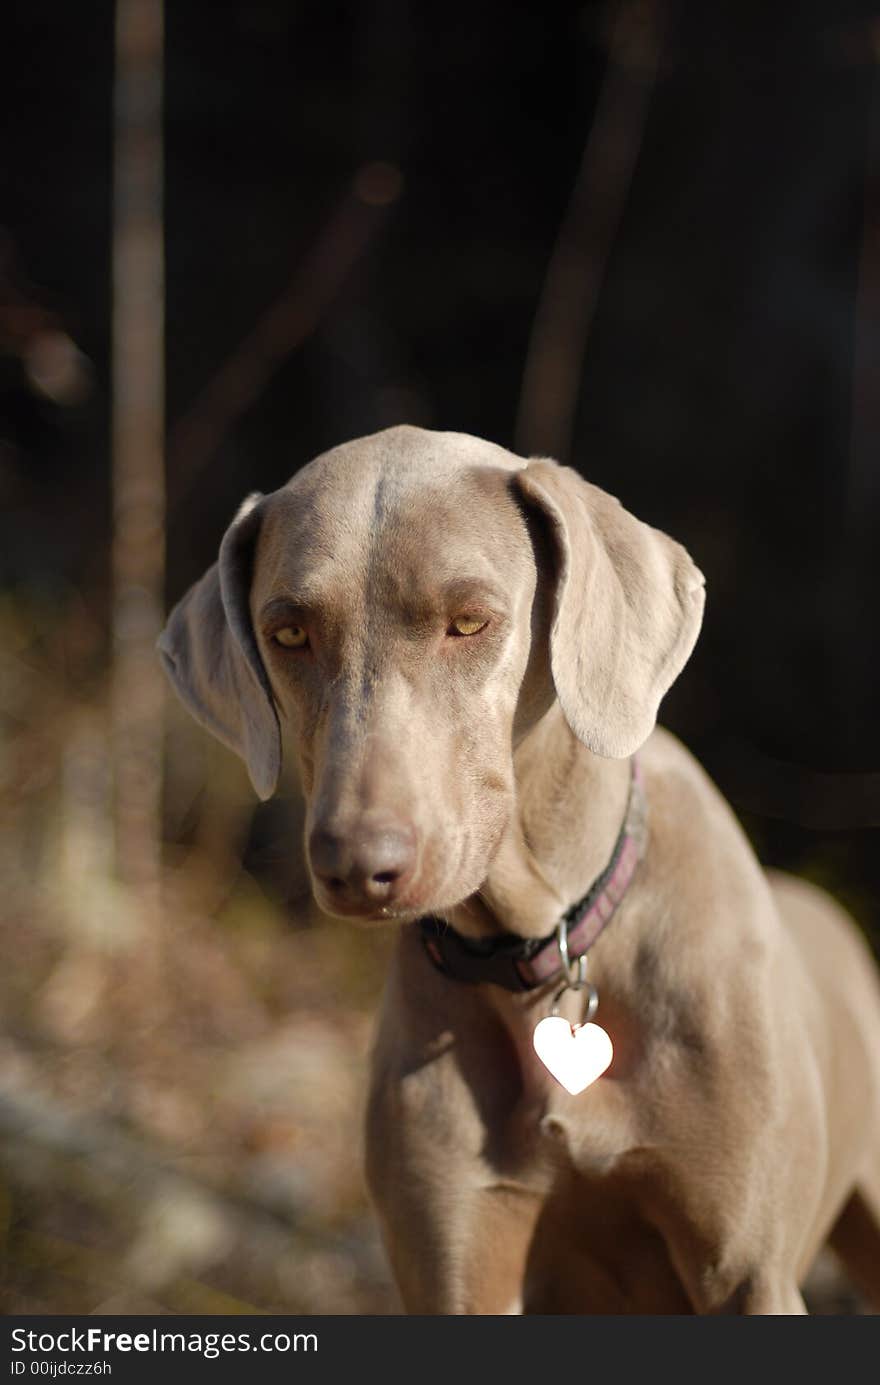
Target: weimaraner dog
x=467 y=651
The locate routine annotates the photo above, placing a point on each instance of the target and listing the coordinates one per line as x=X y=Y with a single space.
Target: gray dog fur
x=483 y=776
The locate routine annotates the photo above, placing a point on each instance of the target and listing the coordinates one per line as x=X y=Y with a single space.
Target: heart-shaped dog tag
x=576 y=1054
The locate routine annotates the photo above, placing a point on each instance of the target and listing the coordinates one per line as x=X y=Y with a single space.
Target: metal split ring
x=591 y=1006
x=574 y=980
x=574 y=983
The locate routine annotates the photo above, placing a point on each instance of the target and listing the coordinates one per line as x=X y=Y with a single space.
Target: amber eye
x=467 y=625
x=291 y=637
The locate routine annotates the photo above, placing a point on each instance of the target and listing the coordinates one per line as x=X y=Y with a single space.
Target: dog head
x=409 y=606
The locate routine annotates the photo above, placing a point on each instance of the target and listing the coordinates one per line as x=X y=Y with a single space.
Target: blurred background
x=640 y=236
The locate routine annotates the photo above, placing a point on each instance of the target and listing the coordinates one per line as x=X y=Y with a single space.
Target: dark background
x=729 y=386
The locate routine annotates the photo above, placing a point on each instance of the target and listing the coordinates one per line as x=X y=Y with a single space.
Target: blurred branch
x=290 y=320
x=176 y=1225
x=85 y=1265
x=138 y=549
x=863 y=489
x=53 y=364
x=567 y=305
x=813 y=799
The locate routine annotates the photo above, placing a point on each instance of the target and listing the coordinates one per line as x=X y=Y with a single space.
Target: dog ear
x=210 y=654
x=629 y=604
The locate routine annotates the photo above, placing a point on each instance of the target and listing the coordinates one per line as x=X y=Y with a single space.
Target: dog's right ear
x=210 y=654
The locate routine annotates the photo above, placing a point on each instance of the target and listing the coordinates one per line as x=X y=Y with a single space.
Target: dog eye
x=291 y=637
x=467 y=625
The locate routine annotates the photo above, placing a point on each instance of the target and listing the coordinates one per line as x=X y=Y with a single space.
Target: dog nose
x=370 y=864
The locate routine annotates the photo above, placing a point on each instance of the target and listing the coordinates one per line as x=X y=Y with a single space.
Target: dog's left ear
x=629 y=604
x=210 y=654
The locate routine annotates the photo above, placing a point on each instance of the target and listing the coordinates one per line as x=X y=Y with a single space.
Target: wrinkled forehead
x=392 y=526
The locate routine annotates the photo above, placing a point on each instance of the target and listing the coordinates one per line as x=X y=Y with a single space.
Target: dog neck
x=541 y=867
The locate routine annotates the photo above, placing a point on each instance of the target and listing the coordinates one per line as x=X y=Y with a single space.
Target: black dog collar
x=522 y=964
